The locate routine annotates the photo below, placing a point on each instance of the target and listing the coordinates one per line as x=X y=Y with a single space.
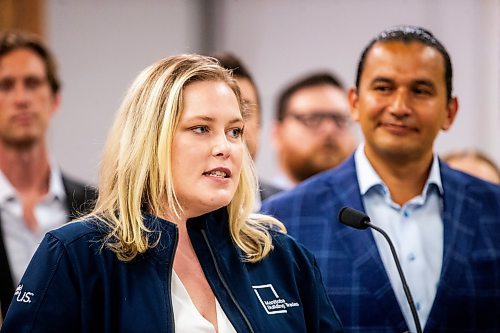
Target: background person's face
x=26 y=100
x=475 y=167
x=208 y=148
x=401 y=103
x=305 y=151
x=252 y=118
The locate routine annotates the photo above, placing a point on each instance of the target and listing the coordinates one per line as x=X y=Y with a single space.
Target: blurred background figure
x=313 y=131
x=474 y=162
x=253 y=114
x=35 y=196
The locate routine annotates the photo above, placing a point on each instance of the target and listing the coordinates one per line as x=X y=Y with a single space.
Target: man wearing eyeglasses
x=313 y=130
x=35 y=196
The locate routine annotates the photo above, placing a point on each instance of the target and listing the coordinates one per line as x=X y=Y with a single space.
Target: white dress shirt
x=416 y=229
x=20 y=242
x=188 y=319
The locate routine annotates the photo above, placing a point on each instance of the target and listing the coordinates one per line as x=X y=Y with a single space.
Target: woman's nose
x=221 y=147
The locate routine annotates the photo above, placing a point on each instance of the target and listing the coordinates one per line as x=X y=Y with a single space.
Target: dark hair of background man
x=409 y=34
x=12 y=41
x=313 y=80
x=239 y=70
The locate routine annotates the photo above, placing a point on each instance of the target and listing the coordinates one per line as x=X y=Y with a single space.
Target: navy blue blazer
x=73 y=284
x=468 y=294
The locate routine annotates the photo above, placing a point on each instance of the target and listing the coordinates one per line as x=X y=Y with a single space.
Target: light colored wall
x=281 y=40
x=102 y=45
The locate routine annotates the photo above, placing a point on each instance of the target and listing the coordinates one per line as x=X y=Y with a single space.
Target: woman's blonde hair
x=136 y=168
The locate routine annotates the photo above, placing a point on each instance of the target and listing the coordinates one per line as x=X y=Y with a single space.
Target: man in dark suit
x=445 y=224
x=35 y=196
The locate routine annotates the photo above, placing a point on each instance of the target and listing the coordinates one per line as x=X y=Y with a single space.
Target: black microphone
x=359 y=220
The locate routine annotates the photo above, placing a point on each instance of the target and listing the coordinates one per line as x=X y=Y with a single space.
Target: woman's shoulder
x=285 y=246
x=281 y=241
x=78 y=231
x=281 y=238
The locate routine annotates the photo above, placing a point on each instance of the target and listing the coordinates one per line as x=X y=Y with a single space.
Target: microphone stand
x=403 y=280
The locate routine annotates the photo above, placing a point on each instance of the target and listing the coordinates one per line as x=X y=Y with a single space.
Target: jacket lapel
x=363 y=249
x=6 y=281
x=458 y=208
x=221 y=263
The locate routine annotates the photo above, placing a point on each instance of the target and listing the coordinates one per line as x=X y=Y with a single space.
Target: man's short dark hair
x=13 y=40
x=311 y=80
x=408 y=34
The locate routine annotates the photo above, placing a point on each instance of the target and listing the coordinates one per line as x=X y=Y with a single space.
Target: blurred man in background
x=313 y=130
x=35 y=196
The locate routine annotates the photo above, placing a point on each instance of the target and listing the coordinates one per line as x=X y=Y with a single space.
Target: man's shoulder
x=471 y=199
x=318 y=188
x=80 y=197
x=73 y=186
x=456 y=182
x=311 y=208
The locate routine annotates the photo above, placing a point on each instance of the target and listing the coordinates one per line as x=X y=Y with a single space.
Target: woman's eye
x=235 y=132
x=200 y=129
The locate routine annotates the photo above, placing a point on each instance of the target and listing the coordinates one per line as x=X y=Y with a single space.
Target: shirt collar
x=56 y=186
x=7 y=191
x=368 y=178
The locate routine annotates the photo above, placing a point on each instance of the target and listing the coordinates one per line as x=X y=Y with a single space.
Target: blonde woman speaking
x=172 y=244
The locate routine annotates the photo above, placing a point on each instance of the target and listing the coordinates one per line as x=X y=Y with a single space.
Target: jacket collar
x=369 y=178
x=215 y=224
x=56 y=187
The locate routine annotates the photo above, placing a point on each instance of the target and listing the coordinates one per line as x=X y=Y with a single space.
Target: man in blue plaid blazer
x=445 y=224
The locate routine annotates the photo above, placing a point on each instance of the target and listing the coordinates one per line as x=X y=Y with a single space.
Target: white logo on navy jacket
x=270 y=300
x=21 y=296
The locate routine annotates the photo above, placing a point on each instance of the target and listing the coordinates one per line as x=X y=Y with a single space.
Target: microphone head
x=353 y=218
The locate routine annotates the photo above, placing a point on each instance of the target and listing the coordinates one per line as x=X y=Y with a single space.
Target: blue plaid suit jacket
x=468 y=295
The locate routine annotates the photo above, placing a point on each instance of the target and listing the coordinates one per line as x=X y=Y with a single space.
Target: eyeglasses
x=316 y=119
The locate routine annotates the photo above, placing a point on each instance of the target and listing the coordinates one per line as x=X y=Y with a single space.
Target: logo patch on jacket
x=23 y=296
x=271 y=301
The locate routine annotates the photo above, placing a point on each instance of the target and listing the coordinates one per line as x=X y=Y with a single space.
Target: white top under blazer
x=188 y=319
